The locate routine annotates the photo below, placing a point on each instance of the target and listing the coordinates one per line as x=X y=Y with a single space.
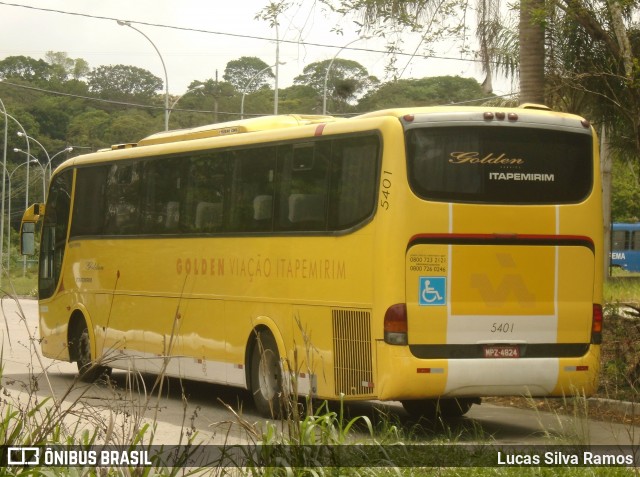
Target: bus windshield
x=487 y=164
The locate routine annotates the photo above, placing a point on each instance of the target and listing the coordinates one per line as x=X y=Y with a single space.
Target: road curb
x=621 y=407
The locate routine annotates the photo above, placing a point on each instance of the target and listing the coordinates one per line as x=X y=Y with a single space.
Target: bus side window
x=89 y=206
x=636 y=241
x=251 y=186
x=618 y=237
x=304 y=186
x=353 y=181
x=123 y=199
x=160 y=202
x=206 y=194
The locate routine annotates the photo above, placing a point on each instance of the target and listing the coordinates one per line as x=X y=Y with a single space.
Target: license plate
x=501 y=352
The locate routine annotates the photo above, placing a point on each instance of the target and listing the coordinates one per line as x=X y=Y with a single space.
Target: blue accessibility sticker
x=433 y=291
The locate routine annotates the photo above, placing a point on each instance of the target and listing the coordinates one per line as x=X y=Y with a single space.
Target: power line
x=120 y=103
x=78 y=96
x=236 y=35
x=201 y=111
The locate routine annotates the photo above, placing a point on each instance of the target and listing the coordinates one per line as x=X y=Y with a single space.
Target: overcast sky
x=196 y=55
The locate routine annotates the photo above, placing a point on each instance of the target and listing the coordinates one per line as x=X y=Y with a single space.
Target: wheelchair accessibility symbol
x=433 y=291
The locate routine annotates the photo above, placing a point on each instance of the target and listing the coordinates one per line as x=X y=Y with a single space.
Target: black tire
x=87 y=369
x=266 y=376
x=434 y=408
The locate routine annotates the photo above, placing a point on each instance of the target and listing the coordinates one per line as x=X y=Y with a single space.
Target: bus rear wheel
x=87 y=369
x=434 y=408
x=266 y=376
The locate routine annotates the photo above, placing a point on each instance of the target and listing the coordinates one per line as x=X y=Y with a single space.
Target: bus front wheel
x=266 y=376
x=87 y=369
x=434 y=408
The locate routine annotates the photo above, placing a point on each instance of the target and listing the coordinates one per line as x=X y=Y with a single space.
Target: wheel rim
x=84 y=349
x=268 y=377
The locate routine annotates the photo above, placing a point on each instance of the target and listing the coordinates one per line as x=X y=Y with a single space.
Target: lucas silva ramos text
x=552 y=458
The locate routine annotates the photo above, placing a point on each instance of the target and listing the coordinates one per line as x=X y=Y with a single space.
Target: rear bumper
x=403 y=376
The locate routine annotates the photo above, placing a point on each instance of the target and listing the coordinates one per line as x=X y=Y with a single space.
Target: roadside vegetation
x=620 y=361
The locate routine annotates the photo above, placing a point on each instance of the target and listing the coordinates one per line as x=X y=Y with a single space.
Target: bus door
x=54 y=234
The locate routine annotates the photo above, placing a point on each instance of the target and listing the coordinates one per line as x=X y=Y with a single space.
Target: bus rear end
x=502 y=265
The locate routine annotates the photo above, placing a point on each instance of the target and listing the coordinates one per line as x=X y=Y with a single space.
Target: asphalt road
x=179 y=409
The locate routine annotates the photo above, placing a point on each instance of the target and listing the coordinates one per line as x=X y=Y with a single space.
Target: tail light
x=395 y=325
x=596 y=324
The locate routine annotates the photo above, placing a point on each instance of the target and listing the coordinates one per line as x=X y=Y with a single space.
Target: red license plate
x=501 y=352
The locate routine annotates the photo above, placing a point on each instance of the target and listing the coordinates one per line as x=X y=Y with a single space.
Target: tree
x=54 y=114
x=63 y=67
x=347 y=80
x=532 y=51
x=442 y=19
x=129 y=126
x=122 y=82
x=437 y=90
x=88 y=128
x=24 y=67
x=60 y=63
x=625 y=205
x=212 y=97
x=245 y=70
x=594 y=66
x=300 y=99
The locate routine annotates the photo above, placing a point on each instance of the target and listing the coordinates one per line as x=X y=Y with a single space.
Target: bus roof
x=264 y=123
x=234 y=127
x=527 y=113
x=229 y=129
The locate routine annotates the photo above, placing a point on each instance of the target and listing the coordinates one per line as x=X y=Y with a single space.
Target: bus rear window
x=500 y=164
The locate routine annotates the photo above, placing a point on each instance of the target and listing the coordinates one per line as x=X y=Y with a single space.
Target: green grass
x=22 y=286
x=622 y=289
x=620 y=363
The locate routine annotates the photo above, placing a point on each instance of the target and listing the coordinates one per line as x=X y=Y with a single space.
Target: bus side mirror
x=28 y=238
x=28 y=229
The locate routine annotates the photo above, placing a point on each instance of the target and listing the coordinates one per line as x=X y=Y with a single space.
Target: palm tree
x=532 y=51
x=489 y=32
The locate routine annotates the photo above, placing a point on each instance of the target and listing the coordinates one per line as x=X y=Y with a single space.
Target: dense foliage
x=63 y=102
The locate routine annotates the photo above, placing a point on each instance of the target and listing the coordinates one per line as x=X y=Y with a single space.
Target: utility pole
x=216 y=95
x=606 y=166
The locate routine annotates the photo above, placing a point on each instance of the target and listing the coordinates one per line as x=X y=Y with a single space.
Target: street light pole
x=166 y=76
x=26 y=195
x=173 y=105
x=48 y=165
x=34 y=160
x=4 y=172
x=44 y=149
x=46 y=169
x=245 y=90
x=9 y=211
x=326 y=76
x=275 y=94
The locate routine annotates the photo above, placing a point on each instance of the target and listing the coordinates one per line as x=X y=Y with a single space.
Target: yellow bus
x=431 y=256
